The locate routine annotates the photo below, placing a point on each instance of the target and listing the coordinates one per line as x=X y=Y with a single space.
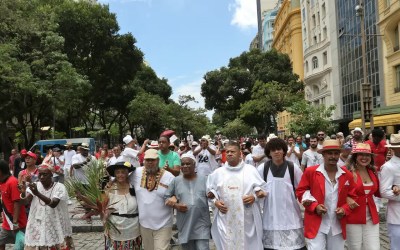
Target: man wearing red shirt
x=14 y=216
x=323 y=190
x=378 y=147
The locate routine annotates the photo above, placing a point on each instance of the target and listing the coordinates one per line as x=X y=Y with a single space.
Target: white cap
x=308 y=135
x=127 y=139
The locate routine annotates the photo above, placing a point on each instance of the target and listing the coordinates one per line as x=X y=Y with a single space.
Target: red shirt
x=9 y=194
x=380 y=152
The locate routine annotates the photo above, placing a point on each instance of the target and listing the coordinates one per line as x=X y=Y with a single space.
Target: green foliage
x=68 y=59
x=309 y=119
x=90 y=195
x=254 y=87
x=236 y=129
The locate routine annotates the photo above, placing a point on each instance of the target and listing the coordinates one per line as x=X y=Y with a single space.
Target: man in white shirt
x=389 y=177
x=258 y=153
x=155 y=218
x=205 y=156
x=69 y=152
x=79 y=161
x=117 y=157
x=311 y=157
x=293 y=154
x=130 y=153
x=321 y=138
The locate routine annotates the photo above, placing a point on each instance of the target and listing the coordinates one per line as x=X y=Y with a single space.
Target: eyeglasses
x=321 y=134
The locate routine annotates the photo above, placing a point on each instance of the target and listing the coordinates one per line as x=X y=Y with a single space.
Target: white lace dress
x=48 y=226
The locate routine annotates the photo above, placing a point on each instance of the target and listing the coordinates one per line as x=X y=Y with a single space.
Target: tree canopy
x=66 y=63
x=309 y=119
x=255 y=86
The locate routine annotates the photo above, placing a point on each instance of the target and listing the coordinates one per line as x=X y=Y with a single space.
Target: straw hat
x=153 y=144
x=330 y=145
x=394 y=141
x=363 y=148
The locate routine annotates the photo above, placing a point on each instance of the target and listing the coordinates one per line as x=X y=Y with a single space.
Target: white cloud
x=245 y=13
x=194 y=89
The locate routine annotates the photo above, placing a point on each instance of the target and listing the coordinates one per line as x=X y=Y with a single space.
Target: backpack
x=290 y=166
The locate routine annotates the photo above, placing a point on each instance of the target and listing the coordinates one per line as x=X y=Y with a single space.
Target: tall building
x=287 y=38
x=268 y=28
x=321 y=75
x=287 y=34
x=350 y=56
x=388 y=116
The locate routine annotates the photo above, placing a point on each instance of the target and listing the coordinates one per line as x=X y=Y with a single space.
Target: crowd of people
x=299 y=192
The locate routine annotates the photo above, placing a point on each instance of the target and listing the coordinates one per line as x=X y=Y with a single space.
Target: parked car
x=44 y=145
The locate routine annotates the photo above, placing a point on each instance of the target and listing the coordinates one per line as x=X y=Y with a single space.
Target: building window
x=325 y=57
x=315 y=39
x=314 y=62
x=314 y=21
x=397 y=87
x=306 y=66
x=325 y=32
x=387 y=3
x=323 y=10
x=396 y=39
x=303 y=13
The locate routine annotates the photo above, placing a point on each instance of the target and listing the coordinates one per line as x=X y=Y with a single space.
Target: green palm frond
x=91 y=195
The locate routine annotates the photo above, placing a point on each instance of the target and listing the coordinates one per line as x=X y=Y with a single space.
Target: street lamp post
x=365 y=89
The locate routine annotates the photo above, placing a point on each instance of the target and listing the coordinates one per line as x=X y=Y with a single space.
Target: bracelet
x=20 y=196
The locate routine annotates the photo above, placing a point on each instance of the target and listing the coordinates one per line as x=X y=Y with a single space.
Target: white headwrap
x=189 y=155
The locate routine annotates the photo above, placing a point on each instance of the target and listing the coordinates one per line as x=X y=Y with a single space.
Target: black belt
x=126 y=215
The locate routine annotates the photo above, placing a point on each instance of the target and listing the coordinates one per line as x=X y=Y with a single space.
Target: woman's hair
x=353 y=165
x=275 y=144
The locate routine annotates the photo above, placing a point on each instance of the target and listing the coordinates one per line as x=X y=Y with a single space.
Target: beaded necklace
x=151 y=182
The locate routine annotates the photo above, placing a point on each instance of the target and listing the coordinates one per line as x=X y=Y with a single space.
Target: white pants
x=363 y=236
x=394 y=236
x=326 y=242
x=156 y=239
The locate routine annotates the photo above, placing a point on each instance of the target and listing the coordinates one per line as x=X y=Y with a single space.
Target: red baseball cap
x=31 y=154
x=24 y=152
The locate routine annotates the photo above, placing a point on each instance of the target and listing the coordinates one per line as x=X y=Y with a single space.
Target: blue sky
x=183 y=39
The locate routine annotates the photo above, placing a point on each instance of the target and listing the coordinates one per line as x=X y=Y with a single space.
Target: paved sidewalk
x=90 y=237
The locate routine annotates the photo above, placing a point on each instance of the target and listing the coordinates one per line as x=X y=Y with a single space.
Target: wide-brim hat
x=394 y=141
x=357 y=129
x=154 y=144
x=194 y=143
x=85 y=146
x=124 y=165
x=329 y=145
x=69 y=144
x=362 y=148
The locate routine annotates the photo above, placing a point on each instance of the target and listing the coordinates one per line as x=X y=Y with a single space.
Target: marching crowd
x=304 y=192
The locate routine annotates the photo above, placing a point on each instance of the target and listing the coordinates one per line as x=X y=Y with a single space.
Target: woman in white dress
x=125 y=218
x=49 y=226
